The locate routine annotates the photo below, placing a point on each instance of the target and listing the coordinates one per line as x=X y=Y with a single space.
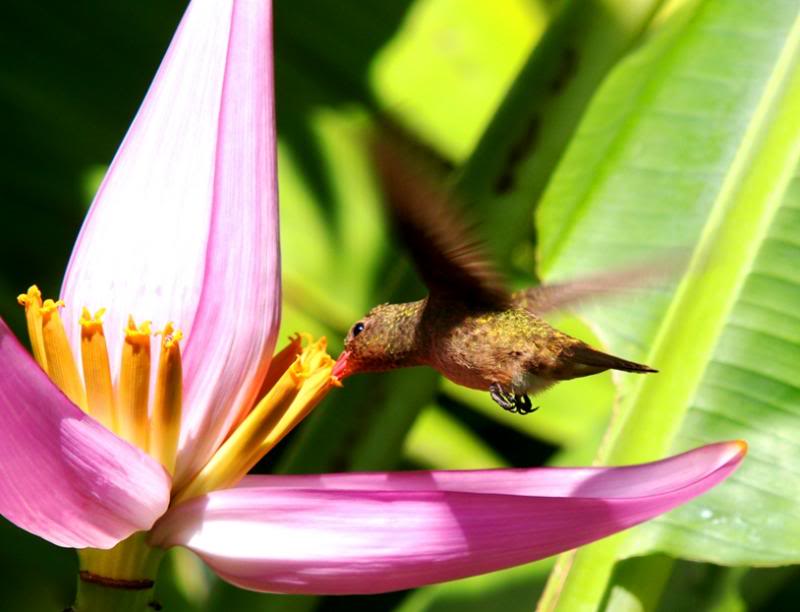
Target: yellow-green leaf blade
x=694 y=140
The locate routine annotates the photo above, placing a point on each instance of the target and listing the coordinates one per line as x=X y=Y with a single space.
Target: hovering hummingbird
x=469 y=328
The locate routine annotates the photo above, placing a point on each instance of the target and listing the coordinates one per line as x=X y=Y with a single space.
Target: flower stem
x=120 y=579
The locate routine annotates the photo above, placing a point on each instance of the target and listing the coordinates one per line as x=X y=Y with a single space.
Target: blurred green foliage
x=500 y=92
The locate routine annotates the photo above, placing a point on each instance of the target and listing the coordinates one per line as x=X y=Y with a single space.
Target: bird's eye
x=358 y=328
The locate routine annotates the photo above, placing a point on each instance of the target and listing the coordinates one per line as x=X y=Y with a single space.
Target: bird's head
x=384 y=339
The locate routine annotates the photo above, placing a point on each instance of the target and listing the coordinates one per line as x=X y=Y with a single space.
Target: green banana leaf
x=692 y=146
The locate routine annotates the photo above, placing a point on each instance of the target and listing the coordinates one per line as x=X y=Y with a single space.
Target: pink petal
x=142 y=248
x=355 y=539
x=236 y=325
x=184 y=227
x=648 y=478
x=63 y=476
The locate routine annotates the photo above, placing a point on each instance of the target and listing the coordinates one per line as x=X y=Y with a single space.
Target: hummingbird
x=470 y=328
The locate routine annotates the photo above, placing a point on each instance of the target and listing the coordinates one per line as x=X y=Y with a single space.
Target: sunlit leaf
x=438 y=441
x=511 y=590
x=471 y=50
x=694 y=143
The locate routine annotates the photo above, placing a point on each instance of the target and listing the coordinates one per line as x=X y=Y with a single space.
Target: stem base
x=121 y=578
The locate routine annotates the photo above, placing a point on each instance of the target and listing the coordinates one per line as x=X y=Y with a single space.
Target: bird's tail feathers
x=586 y=355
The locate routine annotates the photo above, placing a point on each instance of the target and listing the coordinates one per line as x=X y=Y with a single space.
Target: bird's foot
x=503 y=399
x=524 y=406
x=513 y=402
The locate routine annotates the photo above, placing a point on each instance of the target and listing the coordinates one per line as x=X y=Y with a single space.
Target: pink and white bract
x=184 y=230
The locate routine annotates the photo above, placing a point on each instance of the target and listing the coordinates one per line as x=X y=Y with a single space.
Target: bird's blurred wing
x=451 y=261
x=560 y=296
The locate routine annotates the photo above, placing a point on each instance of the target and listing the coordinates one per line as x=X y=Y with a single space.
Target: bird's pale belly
x=515 y=379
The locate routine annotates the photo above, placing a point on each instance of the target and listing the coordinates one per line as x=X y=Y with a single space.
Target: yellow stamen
x=166 y=423
x=32 y=301
x=224 y=467
x=297 y=379
x=296 y=392
x=319 y=365
x=134 y=384
x=61 y=365
x=96 y=370
x=280 y=363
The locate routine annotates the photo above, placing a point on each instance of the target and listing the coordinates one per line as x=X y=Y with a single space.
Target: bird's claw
x=514 y=403
x=523 y=405
x=504 y=400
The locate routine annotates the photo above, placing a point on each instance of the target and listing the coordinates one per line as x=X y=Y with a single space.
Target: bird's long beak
x=340 y=369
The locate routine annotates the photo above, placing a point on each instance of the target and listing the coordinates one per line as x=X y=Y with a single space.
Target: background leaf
x=702 y=120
